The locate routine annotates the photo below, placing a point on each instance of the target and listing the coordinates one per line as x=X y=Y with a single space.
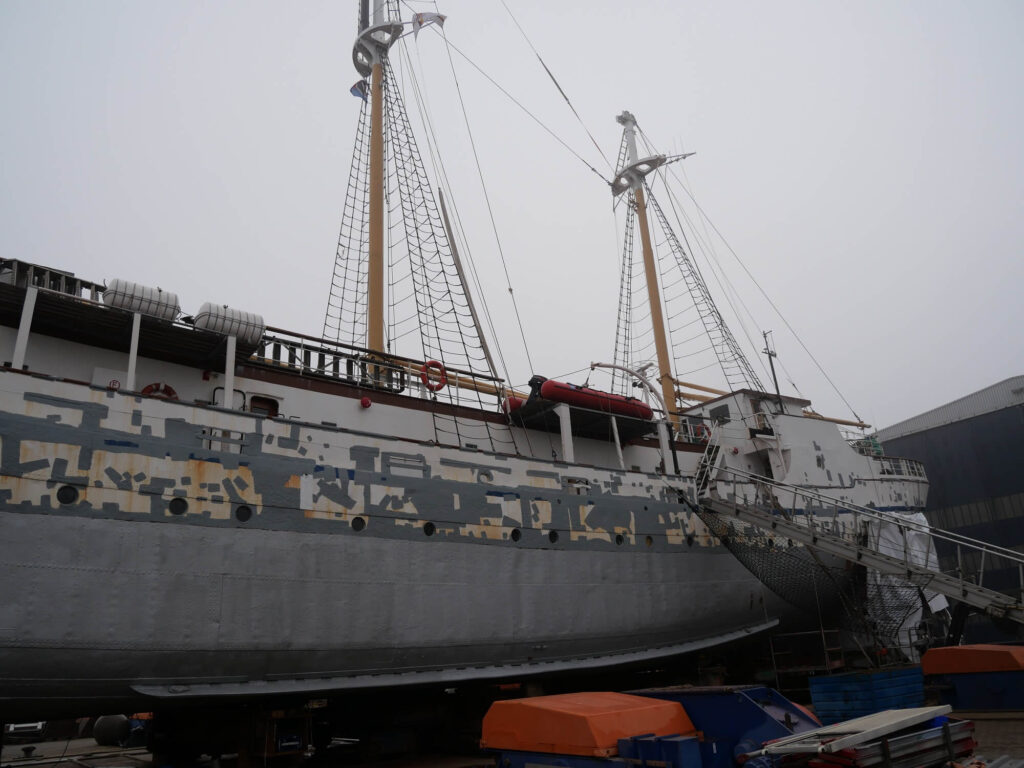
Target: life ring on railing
x=159 y=389
x=701 y=433
x=438 y=369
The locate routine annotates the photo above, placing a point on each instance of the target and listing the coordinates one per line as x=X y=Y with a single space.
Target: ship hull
x=107 y=608
x=350 y=567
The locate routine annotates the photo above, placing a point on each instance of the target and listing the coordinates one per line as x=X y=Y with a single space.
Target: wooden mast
x=665 y=376
x=375 y=276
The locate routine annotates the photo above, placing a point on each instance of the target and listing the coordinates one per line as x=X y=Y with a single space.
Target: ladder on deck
x=805 y=528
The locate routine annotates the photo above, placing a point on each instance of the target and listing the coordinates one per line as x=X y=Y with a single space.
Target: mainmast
x=632 y=177
x=368 y=55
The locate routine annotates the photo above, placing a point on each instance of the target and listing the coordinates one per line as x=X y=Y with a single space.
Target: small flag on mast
x=420 y=20
x=360 y=89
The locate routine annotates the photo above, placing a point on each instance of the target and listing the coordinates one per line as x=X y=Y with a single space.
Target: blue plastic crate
x=843 y=697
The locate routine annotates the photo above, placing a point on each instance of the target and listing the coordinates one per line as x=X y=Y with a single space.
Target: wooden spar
x=375 y=276
x=694 y=396
x=460 y=380
x=473 y=385
x=701 y=387
x=654 y=298
x=465 y=285
x=842 y=422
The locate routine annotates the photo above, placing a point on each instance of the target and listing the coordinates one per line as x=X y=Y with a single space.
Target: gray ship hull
x=291 y=572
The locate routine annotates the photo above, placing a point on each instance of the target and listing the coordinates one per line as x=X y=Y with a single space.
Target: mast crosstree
x=667 y=274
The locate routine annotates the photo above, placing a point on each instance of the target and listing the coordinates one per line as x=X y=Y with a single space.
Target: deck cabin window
x=264 y=406
x=720 y=414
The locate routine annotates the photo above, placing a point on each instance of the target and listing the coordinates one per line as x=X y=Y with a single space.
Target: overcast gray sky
x=863 y=159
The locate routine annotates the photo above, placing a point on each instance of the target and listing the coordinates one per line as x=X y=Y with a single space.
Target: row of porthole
x=429 y=529
x=68 y=494
x=179 y=506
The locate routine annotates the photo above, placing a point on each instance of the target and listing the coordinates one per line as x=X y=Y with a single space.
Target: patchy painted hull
x=163 y=549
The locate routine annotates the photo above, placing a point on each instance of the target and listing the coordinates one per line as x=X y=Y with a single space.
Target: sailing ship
x=204 y=506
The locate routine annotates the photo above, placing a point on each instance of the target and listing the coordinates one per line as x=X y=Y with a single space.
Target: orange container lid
x=580 y=723
x=959 y=659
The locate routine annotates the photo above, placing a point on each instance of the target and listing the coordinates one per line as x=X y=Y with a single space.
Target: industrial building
x=973 y=451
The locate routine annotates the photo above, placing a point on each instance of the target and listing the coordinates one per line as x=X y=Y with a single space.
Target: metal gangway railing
x=815 y=530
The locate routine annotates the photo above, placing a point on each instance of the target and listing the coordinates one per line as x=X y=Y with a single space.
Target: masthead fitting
x=632 y=176
x=373 y=44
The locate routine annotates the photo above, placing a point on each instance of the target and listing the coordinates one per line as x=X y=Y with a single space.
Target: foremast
x=398 y=292
x=370 y=50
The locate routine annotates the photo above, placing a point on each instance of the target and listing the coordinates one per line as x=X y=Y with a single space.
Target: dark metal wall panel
x=976 y=475
x=971 y=460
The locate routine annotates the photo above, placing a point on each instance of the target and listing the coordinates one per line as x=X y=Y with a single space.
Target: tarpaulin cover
x=963 y=659
x=580 y=723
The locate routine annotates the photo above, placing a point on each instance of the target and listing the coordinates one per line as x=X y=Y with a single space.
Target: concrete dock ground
x=998 y=734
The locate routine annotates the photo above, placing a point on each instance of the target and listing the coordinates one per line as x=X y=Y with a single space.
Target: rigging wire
x=440 y=173
x=434 y=147
x=720 y=278
x=707 y=248
x=557 y=85
x=519 y=104
x=487 y=199
x=767 y=298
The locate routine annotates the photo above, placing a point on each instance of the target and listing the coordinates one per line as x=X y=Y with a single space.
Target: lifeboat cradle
x=581 y=412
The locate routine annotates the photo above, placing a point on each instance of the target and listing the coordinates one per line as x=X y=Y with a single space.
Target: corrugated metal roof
x=1005 y=394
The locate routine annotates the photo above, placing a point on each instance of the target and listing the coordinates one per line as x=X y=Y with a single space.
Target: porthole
x=553 y=537
x=358 y=524
x=516 y=534
x=619 y=539
x=243 y=513
x=67 y=494
x=649 y=541
x=178 y=506
x=429 y=528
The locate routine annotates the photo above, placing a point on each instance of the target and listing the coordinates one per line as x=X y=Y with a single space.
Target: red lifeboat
x=595 y=400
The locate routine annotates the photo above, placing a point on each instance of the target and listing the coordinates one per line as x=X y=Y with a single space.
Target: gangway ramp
x=817 y=532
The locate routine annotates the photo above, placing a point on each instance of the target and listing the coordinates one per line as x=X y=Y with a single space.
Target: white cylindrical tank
x=247 y=327
x=133 y=297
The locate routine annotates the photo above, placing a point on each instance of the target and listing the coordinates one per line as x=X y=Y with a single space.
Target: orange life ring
x=159 y=389
x=442 y=375
x=701 y=433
